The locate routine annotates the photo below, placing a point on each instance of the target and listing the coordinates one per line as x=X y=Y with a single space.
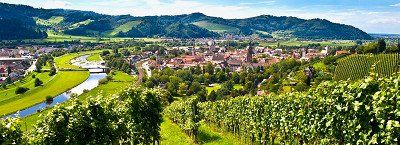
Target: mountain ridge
x=88 y=23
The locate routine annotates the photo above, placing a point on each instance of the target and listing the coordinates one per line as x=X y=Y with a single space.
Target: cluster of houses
x=235 y=60
x=15 y=62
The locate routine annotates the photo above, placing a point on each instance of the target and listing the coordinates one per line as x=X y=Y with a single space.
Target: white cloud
x=396 y=5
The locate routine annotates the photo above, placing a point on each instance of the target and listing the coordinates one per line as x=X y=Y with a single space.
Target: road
x=140 y=71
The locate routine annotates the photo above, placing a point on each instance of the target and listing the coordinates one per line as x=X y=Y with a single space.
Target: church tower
x=249 y=55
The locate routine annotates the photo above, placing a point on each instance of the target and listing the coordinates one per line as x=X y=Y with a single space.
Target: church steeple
x=249 y=55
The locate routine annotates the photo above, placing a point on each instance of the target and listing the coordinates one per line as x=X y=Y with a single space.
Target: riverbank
x=120 y=82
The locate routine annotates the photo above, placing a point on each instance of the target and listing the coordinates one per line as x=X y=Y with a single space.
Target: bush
x=49 y=98
x=10 y=132
x=103 y=81
x=38 y=82
x=33 y=76
x=21 y=90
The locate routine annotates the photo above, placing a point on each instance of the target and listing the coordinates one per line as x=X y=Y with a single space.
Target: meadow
x=63 y=81
x=27 y=82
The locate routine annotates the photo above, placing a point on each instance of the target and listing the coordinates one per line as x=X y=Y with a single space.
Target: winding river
x=89 y=84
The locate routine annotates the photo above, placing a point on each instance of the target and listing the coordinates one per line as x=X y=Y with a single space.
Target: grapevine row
x=361 y=112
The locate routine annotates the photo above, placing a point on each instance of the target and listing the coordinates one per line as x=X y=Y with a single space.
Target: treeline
x=116 y=60
x=379 y=46
x=133 y=117
x=362 y=112
x=13 y=29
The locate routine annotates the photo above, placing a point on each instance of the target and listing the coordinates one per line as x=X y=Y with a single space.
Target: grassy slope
x=49 y=22
x=27 y=82
x=63 y=81
x=305 y=43
x=171 y=134
x=76 y=25
x=94 y=57
x=124 y=27
x=59 y=37
x=216 y=27
x=120 y=82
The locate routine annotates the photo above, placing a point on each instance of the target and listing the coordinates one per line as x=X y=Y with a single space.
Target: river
x=89 y=84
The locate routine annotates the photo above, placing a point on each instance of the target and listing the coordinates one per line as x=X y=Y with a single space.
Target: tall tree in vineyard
x=381 y=45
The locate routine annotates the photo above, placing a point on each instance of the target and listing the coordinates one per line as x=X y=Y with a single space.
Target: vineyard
x=132 y=117
x=358 y=66
x=362 y=112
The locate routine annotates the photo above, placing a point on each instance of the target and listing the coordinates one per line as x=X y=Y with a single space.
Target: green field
x=124 y=27
x=64 y=62
x=216 y=27
x=49 y=22
x=356 y=67
x=63 y=81
x=94 y=57
x=76 y=25
x=216 y=87
x=342 y=43
x=28 y=82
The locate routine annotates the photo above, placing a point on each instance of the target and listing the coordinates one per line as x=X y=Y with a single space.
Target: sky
x=372 y=16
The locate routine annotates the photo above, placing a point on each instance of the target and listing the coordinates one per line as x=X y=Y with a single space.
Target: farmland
x=359 y=66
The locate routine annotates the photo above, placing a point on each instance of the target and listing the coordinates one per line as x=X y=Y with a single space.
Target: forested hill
x=27 y=22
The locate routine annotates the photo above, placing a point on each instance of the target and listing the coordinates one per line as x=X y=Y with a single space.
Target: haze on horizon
x=372 y=16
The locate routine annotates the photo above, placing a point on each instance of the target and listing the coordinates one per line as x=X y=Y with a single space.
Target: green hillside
x=124 y=27
x=359 y=66
x=31 y=22
x=55 y=20
x=76 y=25
x=219 y=28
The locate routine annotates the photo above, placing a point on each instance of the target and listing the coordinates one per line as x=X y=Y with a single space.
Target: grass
x=76 y=25
x=216 y=87
x=49 y=22
x=63 y=81
x=120 y=82
x=125 y=27
x=210 y=135
x=60 y=37
x=64 y=62
x=216 y=27
x=28 y=82
x=171 y=134
x=94 y=57
x=305 y=43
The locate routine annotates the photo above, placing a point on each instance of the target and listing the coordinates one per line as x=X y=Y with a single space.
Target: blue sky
x=373 y=16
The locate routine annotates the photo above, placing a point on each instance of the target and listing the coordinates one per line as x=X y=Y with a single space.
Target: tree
x=398 y=47
x=8 y=80
x=381 y=45
x=38 y=82
x=105 y=52
x=9 y=70
x=21 y=90
x=53 y=71
x=194 y=88
x=183 y=88
x=212 y=96
x=38 y=66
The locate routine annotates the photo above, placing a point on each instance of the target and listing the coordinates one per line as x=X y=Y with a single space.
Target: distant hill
x=33 y=23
